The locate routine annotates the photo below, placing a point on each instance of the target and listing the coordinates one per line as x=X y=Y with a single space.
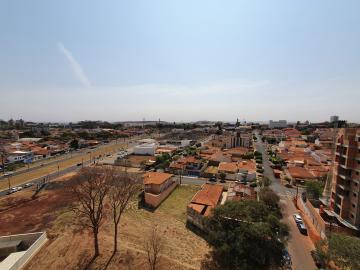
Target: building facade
x=345 y=194
x=277 y=124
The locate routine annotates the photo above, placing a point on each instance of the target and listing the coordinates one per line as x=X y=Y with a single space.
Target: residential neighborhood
x=290 y=165
x=179 y=135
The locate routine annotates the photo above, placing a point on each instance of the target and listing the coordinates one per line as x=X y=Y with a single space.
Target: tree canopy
x=245 y=235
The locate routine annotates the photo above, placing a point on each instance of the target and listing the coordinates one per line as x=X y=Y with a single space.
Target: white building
x=17 y=156
x=145 y=149
x=277 y=124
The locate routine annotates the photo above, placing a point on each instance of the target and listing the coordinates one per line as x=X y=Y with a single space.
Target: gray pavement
x=299 y=246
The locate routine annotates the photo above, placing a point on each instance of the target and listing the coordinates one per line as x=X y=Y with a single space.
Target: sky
x=179 y=60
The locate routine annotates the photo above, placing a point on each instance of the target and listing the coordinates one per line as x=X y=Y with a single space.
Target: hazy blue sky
x=179 y=60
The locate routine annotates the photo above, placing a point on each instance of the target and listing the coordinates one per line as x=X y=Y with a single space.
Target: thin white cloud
x=75 y=66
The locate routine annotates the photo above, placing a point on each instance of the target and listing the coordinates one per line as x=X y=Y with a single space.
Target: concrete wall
x=35 y=240
x=154 y=200
x=308 y=209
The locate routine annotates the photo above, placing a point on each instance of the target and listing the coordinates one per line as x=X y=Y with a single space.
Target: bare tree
x=90 y=190
x=153 y=246
x=122 y=189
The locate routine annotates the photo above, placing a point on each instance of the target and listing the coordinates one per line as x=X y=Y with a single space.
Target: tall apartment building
x=231 y=139
x=334 y=118
x=345 y=194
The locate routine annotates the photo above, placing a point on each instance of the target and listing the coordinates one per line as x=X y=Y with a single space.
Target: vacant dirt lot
x=70 y=246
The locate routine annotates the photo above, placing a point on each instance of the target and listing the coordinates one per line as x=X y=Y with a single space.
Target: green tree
x=344 y=250
x=245 y=235
x=74 y=144
x=270 y=199
x=314 y=189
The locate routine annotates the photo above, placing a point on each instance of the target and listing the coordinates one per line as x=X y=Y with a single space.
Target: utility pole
x=9 y=182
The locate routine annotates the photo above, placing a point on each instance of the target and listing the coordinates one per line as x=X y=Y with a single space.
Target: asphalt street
x=299 y=245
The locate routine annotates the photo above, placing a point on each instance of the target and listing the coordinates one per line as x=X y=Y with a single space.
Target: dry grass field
x=70 y=246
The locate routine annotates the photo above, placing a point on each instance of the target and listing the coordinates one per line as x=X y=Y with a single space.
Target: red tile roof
x=300 y=173
x=209 y=196
x=156 y=178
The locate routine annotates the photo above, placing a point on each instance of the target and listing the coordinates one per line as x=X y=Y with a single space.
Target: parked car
x=297 y=218
x=302 y=228
x=8 y=173
x=286 y=260
x=222 y=181
x=11 y=191
x=212 y=179
x=28 y=185
x=79 y=164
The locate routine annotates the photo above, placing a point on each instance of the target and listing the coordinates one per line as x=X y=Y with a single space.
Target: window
x=353 y=205
x=354 y=194
x=357 y=173
x=352 y=216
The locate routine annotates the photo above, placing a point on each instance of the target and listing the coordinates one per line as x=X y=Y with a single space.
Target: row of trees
x=98 y=190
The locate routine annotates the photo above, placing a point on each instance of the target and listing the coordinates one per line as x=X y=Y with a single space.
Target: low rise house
x=157 y=187
x=202 y=203
x=299 y=174
x=241 y=170
x=240 y=192
x=189 y=165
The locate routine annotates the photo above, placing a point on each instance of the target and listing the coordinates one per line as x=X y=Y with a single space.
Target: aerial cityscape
x=180 y=135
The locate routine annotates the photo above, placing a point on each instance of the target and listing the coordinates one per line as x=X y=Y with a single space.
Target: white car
x=8 y=173
x=297 y=218
x=28 y=185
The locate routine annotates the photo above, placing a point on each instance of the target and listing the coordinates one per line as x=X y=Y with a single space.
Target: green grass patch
x=175 y=204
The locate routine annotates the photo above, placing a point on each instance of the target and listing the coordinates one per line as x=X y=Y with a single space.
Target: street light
x=9 y=182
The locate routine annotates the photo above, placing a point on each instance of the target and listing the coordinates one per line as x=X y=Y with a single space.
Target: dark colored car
x=286 y=260
x=213 y=179
x=302 y=228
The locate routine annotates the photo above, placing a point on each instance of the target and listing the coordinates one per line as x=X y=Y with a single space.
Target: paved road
x=53 y=160
x=299 y=245
x=61 y=171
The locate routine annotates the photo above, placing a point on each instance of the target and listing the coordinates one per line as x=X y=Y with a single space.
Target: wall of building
x=154 y=200
x=37 y=240
x=308 y=209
